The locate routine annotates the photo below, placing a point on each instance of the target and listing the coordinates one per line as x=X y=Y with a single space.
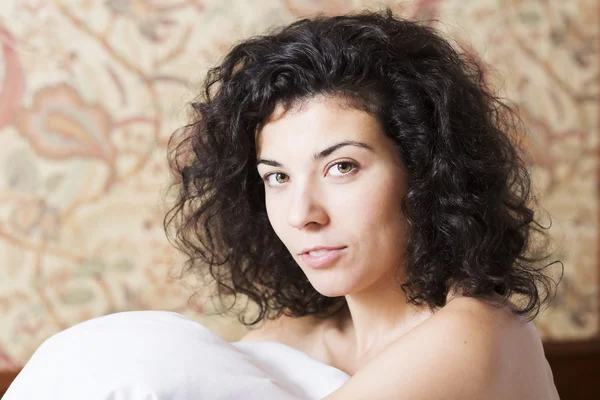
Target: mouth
x=316 y=251
x=322 y=257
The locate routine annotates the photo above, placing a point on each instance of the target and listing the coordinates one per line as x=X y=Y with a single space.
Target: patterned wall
x=90 y=91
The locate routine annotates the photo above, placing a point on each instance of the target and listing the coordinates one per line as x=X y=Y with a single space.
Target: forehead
x=316 y=123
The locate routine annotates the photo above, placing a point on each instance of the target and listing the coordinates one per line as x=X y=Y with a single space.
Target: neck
x=378 y=315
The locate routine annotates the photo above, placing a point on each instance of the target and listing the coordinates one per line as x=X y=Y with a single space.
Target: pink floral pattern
x=13 y=84
x=60 y=125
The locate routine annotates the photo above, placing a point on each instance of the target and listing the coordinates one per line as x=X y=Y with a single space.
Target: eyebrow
x=322 y=154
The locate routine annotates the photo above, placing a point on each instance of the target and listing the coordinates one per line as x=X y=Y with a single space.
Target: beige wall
x=90 y=91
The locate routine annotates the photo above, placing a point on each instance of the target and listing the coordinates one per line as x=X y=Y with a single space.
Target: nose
x=306 y=207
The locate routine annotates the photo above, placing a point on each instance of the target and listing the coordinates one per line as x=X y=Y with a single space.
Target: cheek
x=275 y=213
x=378 y=217
x=377 y=200
x=271 y=212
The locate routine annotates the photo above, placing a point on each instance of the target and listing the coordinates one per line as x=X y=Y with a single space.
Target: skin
x=351 y=197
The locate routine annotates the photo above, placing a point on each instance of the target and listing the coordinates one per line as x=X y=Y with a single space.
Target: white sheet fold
x=159 y=355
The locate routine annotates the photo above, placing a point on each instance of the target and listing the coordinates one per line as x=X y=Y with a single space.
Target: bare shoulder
x=515 y=352
x=468 y=350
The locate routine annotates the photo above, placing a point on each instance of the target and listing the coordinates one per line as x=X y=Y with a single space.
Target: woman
x=355 y=177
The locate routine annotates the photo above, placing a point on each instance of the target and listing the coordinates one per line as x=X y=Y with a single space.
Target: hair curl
x=468 y=198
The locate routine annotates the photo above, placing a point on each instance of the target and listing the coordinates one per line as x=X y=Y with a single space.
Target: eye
x=344 y=167
x=278 y=178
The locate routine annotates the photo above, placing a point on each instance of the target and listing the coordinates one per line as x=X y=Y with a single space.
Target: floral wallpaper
x=91 y=90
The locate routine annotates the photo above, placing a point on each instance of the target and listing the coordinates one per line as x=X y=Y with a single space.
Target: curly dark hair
x=469 y=190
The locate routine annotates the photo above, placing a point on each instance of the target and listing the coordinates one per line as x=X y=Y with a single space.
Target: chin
x=329 y=291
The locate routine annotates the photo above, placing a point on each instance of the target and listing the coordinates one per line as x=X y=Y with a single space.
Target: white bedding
x=159 y=355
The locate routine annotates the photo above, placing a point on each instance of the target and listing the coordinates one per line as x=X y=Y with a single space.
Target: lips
x=317 y=248
x=328 y=257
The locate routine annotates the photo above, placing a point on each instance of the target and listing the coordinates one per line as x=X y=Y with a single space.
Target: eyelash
x=354 y=167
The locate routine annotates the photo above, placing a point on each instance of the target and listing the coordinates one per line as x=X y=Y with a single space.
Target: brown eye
x=277 y=176
x=343 y=168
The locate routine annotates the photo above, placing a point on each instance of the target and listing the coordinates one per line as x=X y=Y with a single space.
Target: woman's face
x=320 y=192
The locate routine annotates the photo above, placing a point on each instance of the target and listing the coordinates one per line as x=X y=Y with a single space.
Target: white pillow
x=159 y=355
